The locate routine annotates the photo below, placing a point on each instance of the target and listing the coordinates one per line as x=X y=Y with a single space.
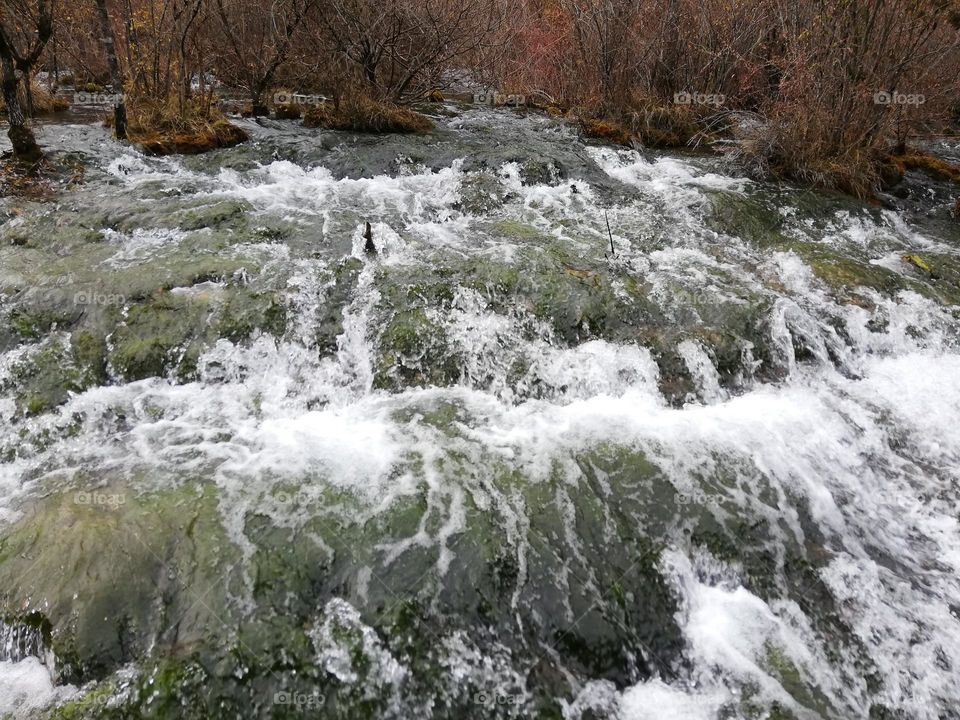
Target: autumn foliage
x=822 y=91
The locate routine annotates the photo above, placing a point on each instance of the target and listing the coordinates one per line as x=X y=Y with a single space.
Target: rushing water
x=493 y=470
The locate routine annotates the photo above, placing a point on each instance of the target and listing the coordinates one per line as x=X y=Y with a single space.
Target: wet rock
x=481 y=193
x=47 y=377
x=413 y=351
x=114 y=573
x=168 y=332
x=160 y=336
x=328 y=325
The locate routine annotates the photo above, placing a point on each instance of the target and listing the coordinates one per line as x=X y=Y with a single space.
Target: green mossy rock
x=117 y=575
x=46 y=377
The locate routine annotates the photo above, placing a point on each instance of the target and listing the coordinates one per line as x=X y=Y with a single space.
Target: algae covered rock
x=45 y=378
x=160 y=336
x=168 y=332
x=414 y=352
x=115 y=574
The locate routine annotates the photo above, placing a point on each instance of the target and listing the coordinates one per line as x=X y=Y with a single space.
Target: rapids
x=495 y=470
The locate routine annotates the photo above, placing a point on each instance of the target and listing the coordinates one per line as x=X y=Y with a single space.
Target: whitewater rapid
x=860 y=435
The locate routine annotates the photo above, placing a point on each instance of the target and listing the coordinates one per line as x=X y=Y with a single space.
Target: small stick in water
x=612 y=251
x=369 y=247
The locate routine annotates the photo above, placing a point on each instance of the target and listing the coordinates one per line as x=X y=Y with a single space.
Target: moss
x=212 y=215
x=844 y=274
x=36 y=324
x=246 y=313
x=173 y=688
x=840 y=272
x=90 y=354
x=748 y=217
x=112 y=571
x=329 y=324
x=157 y=336
x=783 y=668
x=481 y=193
x=516 y=229
x=273 y=233
x=168 y=332
x=46 y=378
x=413 y=351
x=754 y=219
x=91 y=706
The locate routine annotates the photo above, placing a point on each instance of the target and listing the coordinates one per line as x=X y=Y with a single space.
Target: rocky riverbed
x=593 y=434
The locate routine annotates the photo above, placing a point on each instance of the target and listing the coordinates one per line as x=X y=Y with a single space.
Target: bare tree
x=116 y=78
x=605 y=34
x=258 y=41
x=404 y=48
x=25 y=29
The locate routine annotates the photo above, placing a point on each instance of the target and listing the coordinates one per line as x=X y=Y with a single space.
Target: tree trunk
x=106 y=37
x=25 y=146
x=28 y=95
x=258 y=108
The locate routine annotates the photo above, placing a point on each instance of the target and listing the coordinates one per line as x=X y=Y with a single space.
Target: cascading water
x=494 y=470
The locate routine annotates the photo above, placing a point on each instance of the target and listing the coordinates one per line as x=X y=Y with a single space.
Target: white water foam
x=865 y=438
x=26 y=688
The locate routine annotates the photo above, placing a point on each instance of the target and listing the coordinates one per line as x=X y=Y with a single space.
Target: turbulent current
x=593 y=434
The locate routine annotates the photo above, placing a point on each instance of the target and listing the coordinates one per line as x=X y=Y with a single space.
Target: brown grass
x=367 y=116
x=651 y=126
x=218 y=134
x=606 y=130
x=854 y=173
x=161 y=130
x=934 y=167
x=665 y=126
x=44 y=102
x=287 y=111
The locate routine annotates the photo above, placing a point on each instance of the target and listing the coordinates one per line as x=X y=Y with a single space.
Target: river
x=594 y=433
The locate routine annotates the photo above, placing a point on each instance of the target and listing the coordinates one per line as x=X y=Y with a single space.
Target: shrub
x=161 y=129
x=287 y=111
x=605 y=130
x=361 y=114
x=44 y=102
